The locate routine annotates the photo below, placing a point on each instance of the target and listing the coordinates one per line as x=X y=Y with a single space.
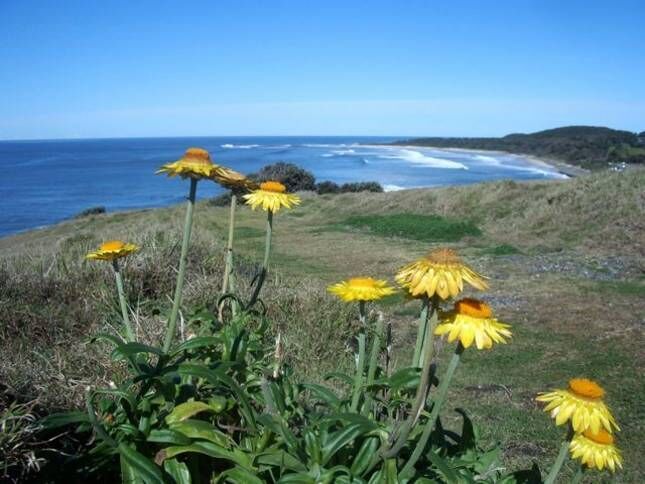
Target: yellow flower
x=361 y=289
x=271 y=196
x=233 y=180
x=441 y=272
x=472 y=320
x=111 y=250
x=582 y=404
x=596 y=450
x=196 y=163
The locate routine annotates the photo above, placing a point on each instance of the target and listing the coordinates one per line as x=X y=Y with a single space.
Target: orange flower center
x=474 y=308
x=112 y=245
x=602 y=437
x=584 y=387
x=197 y=155
x=443 y=256
x=273 y=186
x=362 y=282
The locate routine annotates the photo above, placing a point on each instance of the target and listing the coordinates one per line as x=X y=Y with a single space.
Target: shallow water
x=44 y=182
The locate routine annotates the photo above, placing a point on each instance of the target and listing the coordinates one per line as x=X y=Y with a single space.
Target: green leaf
x=168 y=436
x=347 y=379
x=239 y=475
x=196 y=343
x=115 y=340
x=178 y=471
x=216 y=377
x=189 y=409
x=443 y=467
x=123 y=351
x=198 y=429
x=206 y=448
x=56 y=420
x=280 y=458
x=364 y=455
x=300 y=478
x=323 y=393
x=142 y=467
x=338 y=439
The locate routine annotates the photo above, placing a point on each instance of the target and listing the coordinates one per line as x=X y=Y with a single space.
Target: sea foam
x=418 y=158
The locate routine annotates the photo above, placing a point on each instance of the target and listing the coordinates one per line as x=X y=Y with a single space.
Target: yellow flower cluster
x=473 y=321
x=112 y=250
x=271 y=196
x=582 y=405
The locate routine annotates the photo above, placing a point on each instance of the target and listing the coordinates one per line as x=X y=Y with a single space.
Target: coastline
x=561 y=167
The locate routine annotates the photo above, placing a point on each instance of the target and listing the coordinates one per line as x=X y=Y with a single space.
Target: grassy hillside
x=585 y=146
x=565 y=260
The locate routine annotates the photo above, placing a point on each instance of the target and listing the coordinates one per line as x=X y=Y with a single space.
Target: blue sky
x=168 y=68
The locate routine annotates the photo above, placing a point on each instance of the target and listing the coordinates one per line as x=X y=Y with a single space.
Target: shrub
x=290 y=175
x=222 y=200
x=370 y=186
x=327 y=187
x=91 y=211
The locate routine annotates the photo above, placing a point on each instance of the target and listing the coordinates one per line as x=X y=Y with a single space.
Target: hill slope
x=586 y=146
x=565 y=261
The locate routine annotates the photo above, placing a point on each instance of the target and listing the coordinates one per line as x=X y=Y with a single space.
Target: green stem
x=229 y=246
x=421 y=333
x=373 y=360
x=579 y=474
x=129 y=333
x=98 y=428
x=439 y=399
x=557 y=465
x=265 y=263
x=188 y=225
x=422 y=389
x=360 y=365
x=375 y=352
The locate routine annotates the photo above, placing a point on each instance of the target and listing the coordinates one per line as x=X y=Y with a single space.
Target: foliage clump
x=291 y=176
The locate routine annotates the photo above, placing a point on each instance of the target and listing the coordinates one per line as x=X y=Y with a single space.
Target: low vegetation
x=585 y=146
x=558 y=253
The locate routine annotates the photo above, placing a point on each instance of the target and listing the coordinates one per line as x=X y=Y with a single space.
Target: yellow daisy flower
x=441 y=272
x=196 y=163
x=271 y=196
x=361 y=289
x=582 y=404
x=596 y=450
x=472 y=320
x=233 y=180
x=111 y=250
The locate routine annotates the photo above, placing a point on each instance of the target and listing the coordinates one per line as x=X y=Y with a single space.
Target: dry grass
x=572 y=286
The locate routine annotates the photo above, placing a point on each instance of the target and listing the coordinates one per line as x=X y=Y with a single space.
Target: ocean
x=44 y=182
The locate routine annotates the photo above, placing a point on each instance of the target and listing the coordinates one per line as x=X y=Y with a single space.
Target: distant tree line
x=586 y=146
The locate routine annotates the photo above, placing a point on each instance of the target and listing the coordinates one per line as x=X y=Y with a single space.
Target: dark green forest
x=585 y=146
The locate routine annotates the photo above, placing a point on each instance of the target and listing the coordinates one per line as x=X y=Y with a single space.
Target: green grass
x=430 y=228
x=564 y=325
x=500 y=250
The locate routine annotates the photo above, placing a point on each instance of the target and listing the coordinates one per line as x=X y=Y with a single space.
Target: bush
x=371 y=186
x=91 y=211
x=327 y=187
x=222 y=200
x=290 y=175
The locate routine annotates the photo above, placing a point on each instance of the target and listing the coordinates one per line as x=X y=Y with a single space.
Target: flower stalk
x=421 y=333
x=559 y=461
x=228 y=269
x=424 y=383
x=265 y=262
x=442 y=393
x=172 y=322
x=129 y=333
x=360 y=363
